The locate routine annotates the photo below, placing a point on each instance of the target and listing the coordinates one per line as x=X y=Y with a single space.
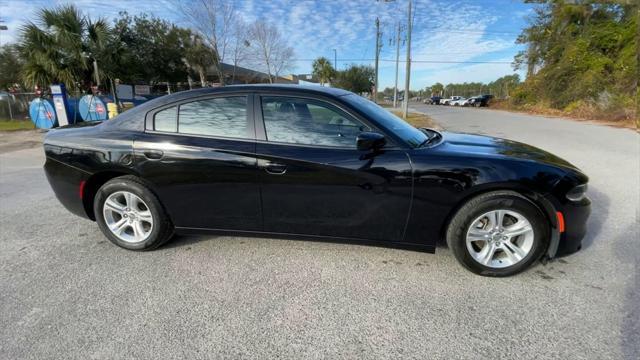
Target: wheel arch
x=96 y=180
x=537 y=199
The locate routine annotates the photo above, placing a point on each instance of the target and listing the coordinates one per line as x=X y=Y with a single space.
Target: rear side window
x=166 y=120
x=225 y=116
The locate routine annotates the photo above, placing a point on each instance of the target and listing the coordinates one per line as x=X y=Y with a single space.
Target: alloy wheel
x=500 y=238
x=128 y=217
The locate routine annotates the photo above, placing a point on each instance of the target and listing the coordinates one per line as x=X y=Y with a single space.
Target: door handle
x=153 y=154
x=275 y=168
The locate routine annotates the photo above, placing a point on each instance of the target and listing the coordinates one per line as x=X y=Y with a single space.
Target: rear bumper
x=575 y=215
x=65 y=181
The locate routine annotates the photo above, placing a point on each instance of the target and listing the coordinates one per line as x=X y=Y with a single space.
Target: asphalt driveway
x=66 y=292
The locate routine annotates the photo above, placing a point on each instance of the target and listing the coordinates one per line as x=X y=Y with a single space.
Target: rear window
x=166 y=120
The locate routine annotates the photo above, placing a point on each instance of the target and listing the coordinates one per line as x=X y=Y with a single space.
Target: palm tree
x=199 y=57
x=323 y=70
x=61 y=46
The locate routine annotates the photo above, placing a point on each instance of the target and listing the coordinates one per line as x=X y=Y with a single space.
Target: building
x=242 y=75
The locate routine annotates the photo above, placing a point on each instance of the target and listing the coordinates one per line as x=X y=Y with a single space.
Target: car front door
x=199 y=156
x=315 y=182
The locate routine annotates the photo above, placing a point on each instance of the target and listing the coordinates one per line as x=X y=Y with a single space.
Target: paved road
x=65 y=292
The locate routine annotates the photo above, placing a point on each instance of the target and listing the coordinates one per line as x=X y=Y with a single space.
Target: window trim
x=261 y=130
x=250 y=108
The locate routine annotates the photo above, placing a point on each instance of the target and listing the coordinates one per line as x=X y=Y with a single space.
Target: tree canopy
x=356 y=78
x=323 y=70
x=61 y=46
x=500 y=88
x=580 y=52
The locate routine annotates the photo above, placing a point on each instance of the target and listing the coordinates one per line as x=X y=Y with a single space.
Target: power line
x=421 y=61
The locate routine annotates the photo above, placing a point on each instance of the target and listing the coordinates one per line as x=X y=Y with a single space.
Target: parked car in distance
x=315 y=163
x=459 y=102
x=481 y=100
x=434 y=100
x=449 y=100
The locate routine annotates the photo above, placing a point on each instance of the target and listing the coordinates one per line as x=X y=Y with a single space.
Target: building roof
x=244 y=74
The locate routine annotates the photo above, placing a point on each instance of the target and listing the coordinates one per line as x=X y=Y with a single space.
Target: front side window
x=225 y=116
x=387 y=120
x=308 y=122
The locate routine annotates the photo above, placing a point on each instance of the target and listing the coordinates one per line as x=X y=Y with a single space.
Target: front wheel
x=498 y=234
x=130 y=215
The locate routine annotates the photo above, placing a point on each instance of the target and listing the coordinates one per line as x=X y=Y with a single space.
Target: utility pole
x=395 y=88
x=375 y=84
x=407 y=79
x=335 y=59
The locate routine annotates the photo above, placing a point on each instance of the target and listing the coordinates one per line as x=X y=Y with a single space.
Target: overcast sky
x=445 y=32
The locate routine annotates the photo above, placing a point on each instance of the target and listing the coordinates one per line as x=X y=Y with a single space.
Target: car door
x=315 y=182
x=199 y=156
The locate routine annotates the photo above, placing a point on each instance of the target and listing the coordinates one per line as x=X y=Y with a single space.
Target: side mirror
x=370 y=141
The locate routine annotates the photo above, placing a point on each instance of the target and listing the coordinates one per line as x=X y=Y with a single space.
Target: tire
x=506 y=259
x=135 y=211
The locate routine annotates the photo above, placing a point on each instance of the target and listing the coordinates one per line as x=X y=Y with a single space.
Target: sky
x=452 y=41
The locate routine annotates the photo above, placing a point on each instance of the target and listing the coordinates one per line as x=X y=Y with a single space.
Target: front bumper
x=575 y=215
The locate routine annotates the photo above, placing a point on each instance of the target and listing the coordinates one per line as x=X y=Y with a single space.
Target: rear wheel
x=498 y=234
x=130 y=215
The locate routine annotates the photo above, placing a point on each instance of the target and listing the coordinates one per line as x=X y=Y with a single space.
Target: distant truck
x=449 y=100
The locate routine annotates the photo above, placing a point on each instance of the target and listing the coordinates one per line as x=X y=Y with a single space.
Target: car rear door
x=315 y=182
x=199 y=156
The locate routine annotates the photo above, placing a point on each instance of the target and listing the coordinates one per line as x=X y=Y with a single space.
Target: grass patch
x=418 y=120
x=12 y=125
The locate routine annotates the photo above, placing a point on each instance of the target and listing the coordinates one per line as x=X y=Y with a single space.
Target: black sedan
x=315 y=163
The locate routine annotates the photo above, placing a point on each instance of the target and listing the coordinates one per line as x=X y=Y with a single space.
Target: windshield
x=388 y=121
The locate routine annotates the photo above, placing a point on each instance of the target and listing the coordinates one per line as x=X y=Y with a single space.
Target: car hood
x=480 y=145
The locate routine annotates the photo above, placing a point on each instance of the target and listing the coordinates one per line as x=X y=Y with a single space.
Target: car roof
x=127 y=118
x=309 y=89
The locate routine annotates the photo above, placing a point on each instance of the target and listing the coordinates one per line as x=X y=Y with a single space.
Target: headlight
x=577 y=193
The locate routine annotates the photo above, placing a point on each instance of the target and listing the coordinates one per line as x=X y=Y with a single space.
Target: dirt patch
x=598 y=118
x=20 y=139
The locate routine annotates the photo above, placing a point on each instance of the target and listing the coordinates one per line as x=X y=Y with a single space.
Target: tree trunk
x=203 y=76
x=220 y=73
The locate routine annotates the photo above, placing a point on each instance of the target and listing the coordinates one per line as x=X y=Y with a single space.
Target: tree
x=61 y=47
x=356 y=78
x=323 y=70
x=199 y=57
x=583 y=51
x=153 y=49
x=220 y=25
x=240 y=46
x=10 y=64
x=270 y=48
x=436 y=89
